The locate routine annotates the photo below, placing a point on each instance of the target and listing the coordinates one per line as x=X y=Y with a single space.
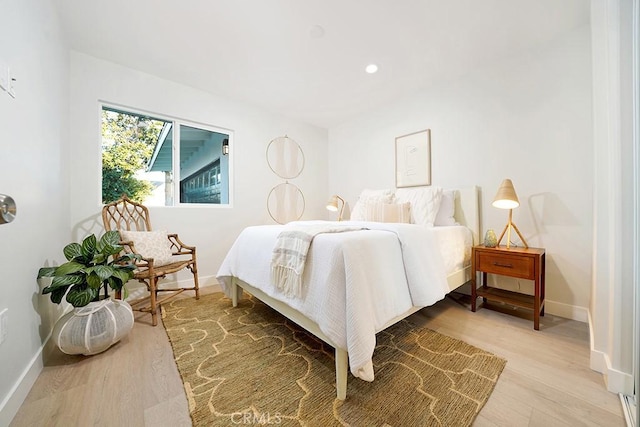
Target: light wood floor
x=547 y=381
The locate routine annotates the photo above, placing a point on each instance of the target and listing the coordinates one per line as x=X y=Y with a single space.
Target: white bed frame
x=466 y=213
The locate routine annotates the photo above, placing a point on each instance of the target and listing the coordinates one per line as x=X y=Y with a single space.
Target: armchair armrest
x=179 y=246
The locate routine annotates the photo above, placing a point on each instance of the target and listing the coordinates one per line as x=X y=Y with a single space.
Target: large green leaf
x=110 y=238
x=103 y=271
x=71 y=279
x=69 y=268
x=89 y=246
x=57 y=289
x=79 y=296
x=115 y=283
x=124 y=275
x=57 y=295
x=100 y=246
x=107 y=246
x=46 y=272
x=100 y=258
x=72 y=250
x=93 y=280
x=111 y=250
x=128 y=258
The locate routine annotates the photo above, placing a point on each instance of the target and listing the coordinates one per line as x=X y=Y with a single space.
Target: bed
x=359 y=282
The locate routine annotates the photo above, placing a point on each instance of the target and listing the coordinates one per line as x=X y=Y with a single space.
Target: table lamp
x=332 y=205
x=506 y=198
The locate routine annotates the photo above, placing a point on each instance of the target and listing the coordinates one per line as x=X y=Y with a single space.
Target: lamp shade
x=332 y=204
x=506 y=198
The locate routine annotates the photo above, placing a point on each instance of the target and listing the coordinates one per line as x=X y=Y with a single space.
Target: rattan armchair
x=125 y=215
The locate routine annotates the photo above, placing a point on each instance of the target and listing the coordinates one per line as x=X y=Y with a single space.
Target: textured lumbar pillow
x=358 y=213
x=388 y=212
x=150 y=244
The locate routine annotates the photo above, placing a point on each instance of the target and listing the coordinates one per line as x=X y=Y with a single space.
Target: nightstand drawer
x=507 y=265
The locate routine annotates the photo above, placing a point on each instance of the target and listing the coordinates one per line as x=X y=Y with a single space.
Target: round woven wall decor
x=285 y=203
x=285 y=157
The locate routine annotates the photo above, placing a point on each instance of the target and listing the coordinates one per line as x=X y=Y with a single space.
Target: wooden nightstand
x=523 y=263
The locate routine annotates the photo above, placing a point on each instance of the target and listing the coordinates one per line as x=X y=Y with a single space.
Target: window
x=161 y=161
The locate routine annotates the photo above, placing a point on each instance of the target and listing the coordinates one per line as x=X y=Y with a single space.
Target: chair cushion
x=150 y=244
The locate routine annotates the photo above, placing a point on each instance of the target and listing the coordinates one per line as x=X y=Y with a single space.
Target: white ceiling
x=267 y=53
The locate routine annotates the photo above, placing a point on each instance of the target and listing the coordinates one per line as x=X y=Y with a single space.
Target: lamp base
x=507 y=229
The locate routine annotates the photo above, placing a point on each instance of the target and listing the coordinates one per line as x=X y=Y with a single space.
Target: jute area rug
x=251 y=366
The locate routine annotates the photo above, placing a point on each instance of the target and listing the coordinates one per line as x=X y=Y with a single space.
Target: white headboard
x=467 y=210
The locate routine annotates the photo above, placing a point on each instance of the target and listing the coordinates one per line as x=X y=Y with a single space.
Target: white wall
x=34 y=171
x=611 y=309
x=211 y=229
x=527 y=118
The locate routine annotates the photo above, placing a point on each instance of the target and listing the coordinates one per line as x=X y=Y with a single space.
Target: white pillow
x=425 y=202
x=358 y=213
x=388 y=212
x=447 y=209
x=150 y=244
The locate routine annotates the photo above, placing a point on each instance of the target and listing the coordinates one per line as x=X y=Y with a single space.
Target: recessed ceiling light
x=371 y=68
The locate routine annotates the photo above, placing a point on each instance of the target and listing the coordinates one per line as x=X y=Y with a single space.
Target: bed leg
x=342 y=365
x=236 y=292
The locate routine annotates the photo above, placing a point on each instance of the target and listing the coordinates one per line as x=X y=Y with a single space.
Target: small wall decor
x=413 y=159
x=285 y=201
x=285 y=157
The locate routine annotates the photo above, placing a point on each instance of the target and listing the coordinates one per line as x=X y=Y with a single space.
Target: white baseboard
x=616 y=381
x=566 y=311
x=598 y=361
x=18 y=393
x=596 y=358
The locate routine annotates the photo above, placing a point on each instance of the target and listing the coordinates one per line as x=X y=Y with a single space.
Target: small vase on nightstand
x=490 y=239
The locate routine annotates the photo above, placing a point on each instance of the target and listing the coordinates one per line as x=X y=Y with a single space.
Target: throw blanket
x=290 y=254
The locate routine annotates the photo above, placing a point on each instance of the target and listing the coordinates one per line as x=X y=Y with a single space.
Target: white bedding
x=356 y=282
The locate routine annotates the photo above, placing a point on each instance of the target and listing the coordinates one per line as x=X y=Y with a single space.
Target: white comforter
x=354 y=283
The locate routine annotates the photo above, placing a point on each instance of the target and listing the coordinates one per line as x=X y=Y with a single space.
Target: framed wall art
x=413 y=159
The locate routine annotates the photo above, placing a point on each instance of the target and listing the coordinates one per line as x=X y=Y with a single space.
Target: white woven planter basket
x=93 y=328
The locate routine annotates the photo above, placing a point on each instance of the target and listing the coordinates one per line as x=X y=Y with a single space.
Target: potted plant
x=96 y=322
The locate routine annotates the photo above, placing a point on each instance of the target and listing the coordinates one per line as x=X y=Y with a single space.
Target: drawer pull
x=497 y=264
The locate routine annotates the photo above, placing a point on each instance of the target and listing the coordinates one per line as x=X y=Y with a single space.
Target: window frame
x=177 y=122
